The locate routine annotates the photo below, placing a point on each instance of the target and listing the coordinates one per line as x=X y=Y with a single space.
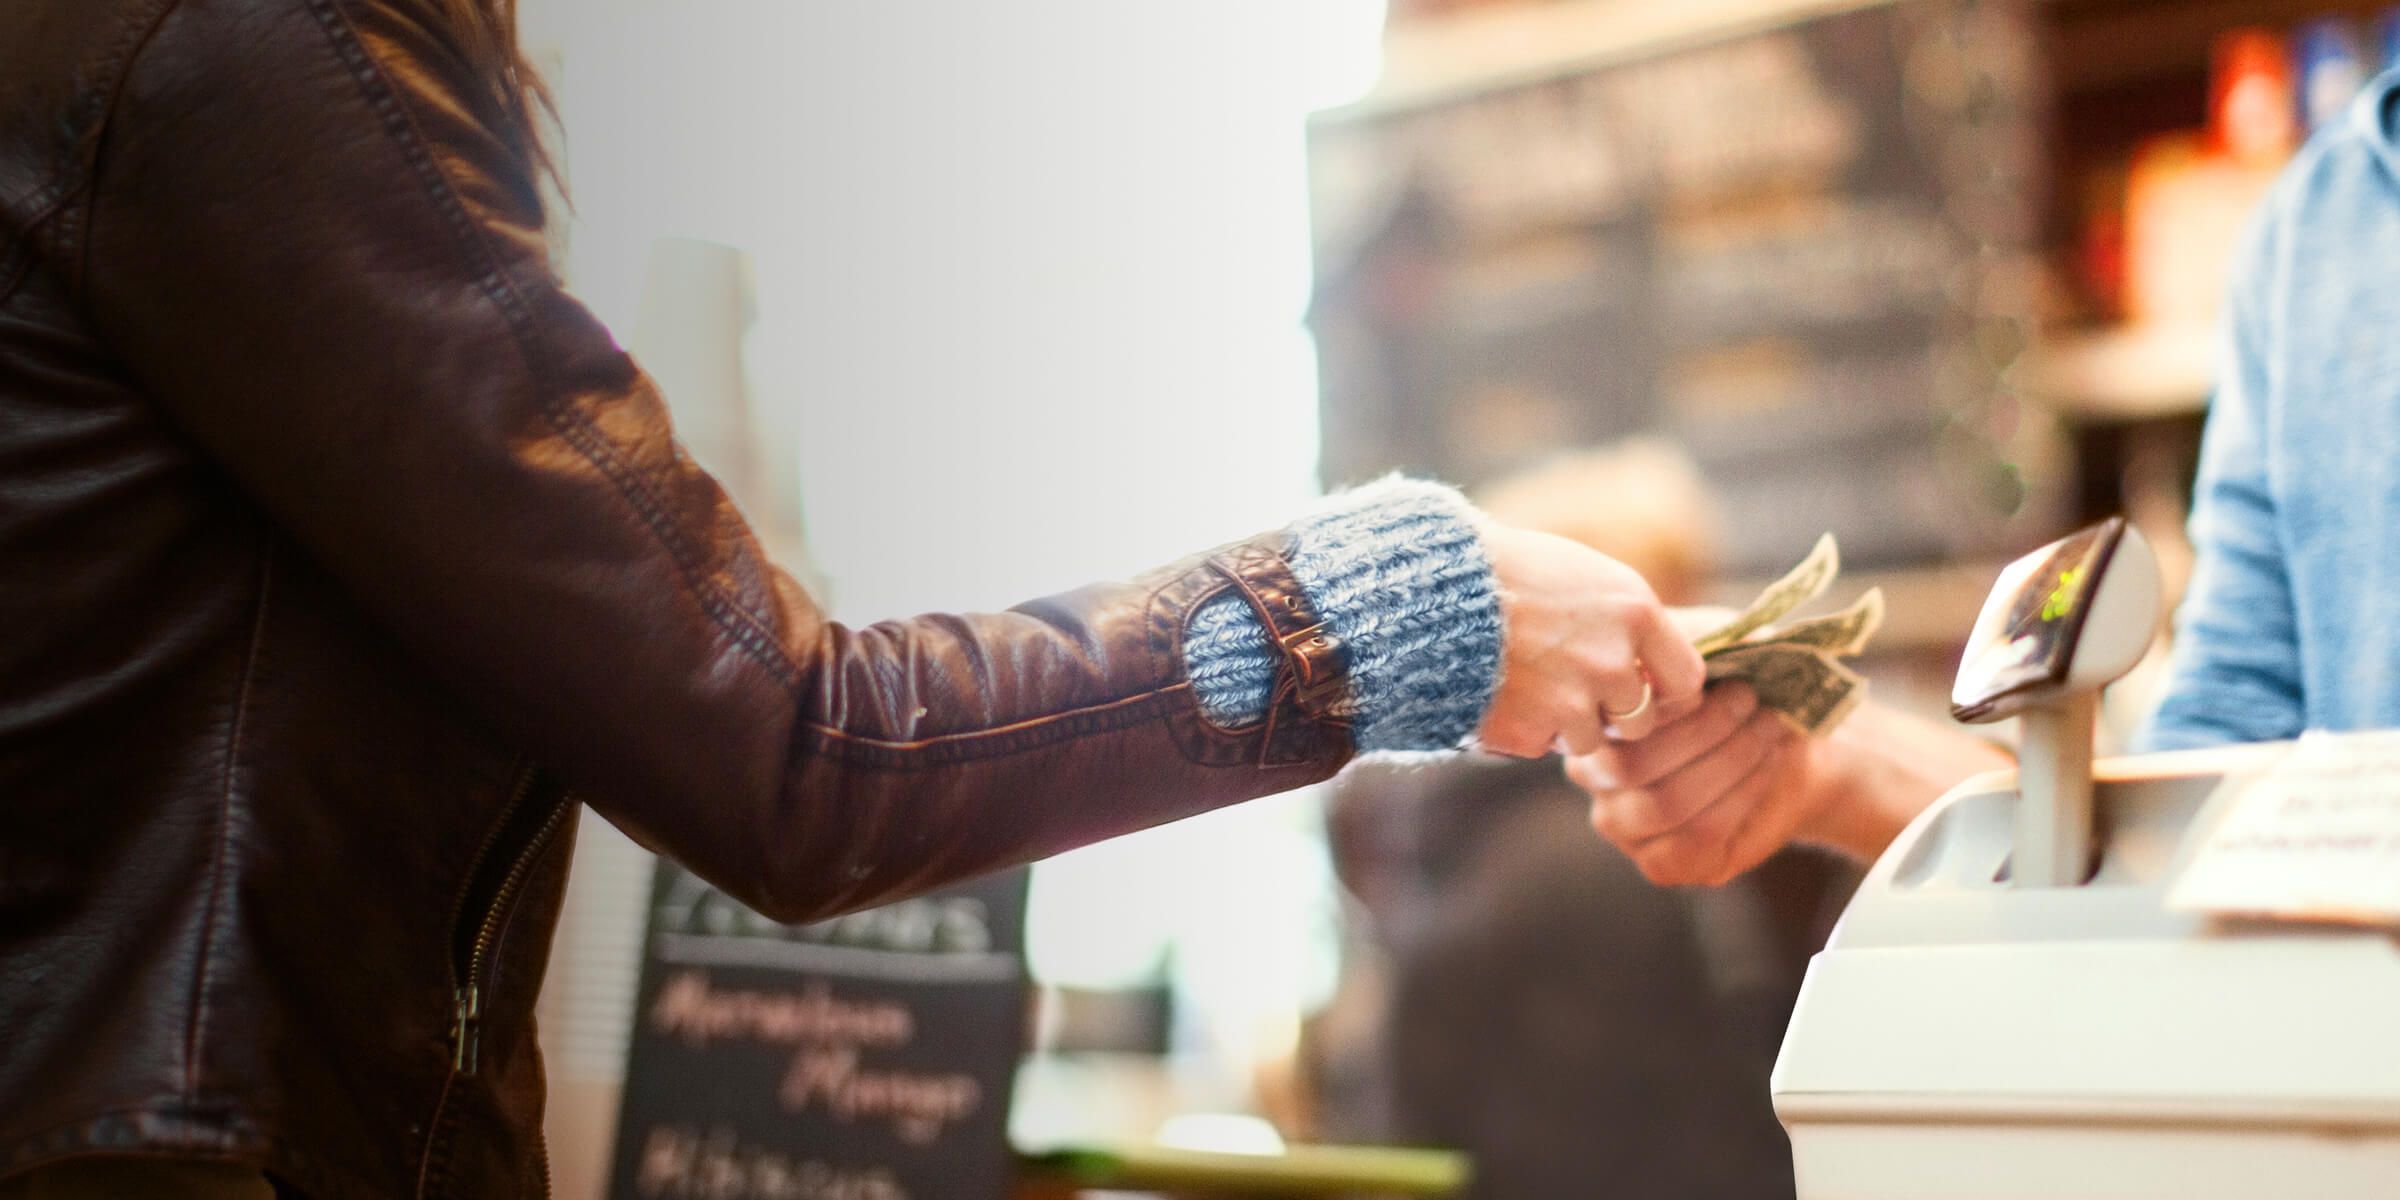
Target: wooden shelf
x=1437 y=59
x=2122 y=375
x=2101 y=43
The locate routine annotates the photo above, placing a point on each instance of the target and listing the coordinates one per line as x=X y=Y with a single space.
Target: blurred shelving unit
x=2093 y=44
x=1765 y=229
x=1437 y=59
x=2122 y=374
x=1549 y=302
x=2104 y=44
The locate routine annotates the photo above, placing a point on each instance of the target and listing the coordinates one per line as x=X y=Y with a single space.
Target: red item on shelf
x=2253 y=116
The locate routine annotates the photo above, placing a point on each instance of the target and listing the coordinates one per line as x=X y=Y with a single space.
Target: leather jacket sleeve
x=307 y=245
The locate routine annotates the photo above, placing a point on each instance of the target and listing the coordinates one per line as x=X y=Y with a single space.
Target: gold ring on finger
x=1619 y=718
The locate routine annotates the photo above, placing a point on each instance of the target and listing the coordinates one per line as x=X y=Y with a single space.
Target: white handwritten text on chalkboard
x=692 y=1009
x=682 y=1163
x=828 y=1031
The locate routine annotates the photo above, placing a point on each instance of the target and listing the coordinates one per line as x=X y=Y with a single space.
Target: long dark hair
x=487 y=33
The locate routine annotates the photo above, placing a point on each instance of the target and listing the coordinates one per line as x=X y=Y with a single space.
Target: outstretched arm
x=331 y=272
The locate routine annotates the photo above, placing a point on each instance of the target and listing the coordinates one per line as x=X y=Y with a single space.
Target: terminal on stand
x=2021 y=1003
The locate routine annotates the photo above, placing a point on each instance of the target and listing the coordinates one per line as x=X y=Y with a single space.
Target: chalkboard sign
x=868 y=1057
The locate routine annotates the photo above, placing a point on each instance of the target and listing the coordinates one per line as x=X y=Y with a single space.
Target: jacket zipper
x=466 y=985
x=468 y=956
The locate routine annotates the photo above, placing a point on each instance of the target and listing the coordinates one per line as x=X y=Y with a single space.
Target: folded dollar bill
x=1796 y=668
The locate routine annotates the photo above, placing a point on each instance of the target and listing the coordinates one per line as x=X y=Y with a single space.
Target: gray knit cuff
x=1398 y=576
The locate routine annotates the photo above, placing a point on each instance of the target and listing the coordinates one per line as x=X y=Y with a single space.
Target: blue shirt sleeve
x=2235 y=674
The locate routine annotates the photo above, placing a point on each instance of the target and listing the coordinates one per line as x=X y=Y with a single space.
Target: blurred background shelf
x=2092 y=44
x=1434 y=59
x=2100 y=45
x=2122 y=375
x=1839 y=250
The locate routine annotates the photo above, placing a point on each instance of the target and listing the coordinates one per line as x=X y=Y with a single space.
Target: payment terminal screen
x=2026 y=641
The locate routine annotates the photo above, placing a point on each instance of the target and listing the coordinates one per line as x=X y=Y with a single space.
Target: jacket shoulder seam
x=492 y=278
x=72 y=181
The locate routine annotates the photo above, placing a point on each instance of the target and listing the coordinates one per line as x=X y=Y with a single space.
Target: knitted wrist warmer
x=1397 y=574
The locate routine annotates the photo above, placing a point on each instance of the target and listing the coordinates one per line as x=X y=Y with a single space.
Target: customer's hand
x=1713 y=794
x=1588 y=652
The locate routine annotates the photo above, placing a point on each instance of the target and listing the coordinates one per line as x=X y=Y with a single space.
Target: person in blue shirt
x=2291 y=620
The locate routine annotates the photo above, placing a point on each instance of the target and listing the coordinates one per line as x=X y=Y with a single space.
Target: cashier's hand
x=1707 y=797
x=1588 y=653
x=1712 y=795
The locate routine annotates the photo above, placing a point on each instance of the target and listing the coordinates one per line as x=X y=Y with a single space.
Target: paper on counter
x=2315 y=838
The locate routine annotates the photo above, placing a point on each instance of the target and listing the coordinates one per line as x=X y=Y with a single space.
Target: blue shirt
x=2292 y=619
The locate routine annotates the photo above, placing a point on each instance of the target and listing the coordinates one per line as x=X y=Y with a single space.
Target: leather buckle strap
x=1315 y=663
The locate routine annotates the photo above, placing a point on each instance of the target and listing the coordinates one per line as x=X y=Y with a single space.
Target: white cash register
x=2011 y=1009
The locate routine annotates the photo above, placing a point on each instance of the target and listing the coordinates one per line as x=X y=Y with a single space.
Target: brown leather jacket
x=341 y=553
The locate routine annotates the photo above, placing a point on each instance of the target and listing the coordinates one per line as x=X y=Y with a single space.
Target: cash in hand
x=1796 y=669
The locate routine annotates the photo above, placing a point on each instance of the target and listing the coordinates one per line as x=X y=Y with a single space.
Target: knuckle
x=1634 y=766
x=1655 y=625
x=1678 y=804
x=1601 y=825
x=1717 y=742
x=1710 y=826
x=1608 y=657
x=1578 y=770
x=1609 y=823
x=1639 y=815
x=1724 y=718
x=1686 y=674
x=1589 y=772
x=1618 y=577
x=1666 y=861
x=1564 y=714
x=1640 y=781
